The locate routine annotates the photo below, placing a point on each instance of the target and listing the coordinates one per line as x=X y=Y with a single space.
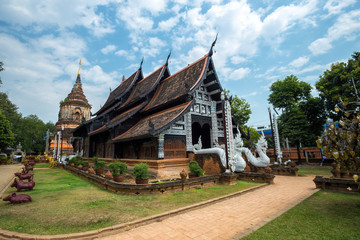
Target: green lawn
x=325 y=215
x=41 y=165
x=65 y=203
x=314 y=170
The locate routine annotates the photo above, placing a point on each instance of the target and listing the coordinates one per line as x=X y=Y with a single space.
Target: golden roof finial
x=79 y=67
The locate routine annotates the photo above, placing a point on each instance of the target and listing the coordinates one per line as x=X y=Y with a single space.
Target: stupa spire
x=78 y=76
x=79 y=67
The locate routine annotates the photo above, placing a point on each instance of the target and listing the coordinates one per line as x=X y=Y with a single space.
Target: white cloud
x=156 y=42
x=121 y=52
x=126 y=54
x=237 y=59
x=239 y=73
x=347 y=26
x=108 y=49
x=286 y=17
x=250 y=94
x=299 y=62
x=47 y=14
x=336 y=6
x=167 y=25
x=320 y=46
x=138 y=16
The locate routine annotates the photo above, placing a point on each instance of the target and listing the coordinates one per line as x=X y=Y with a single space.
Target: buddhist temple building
x=74 y=110
x=158 y=118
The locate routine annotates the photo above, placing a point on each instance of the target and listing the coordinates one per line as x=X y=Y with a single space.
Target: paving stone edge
x=4 y=234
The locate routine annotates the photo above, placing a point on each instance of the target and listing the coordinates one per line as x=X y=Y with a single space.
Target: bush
x=85 y=163
x=141 y=171
x=195 y=169
x=3 y=160
x=118 y=168
x=98 y=164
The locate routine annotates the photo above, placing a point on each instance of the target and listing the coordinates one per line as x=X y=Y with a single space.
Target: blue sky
x=41 y=43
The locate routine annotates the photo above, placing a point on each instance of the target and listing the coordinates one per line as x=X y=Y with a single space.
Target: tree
x=315 y=115
x=240 y=109
x=303 y=116
x=254 y=137
x=6 y=135
x=293 y=125
x=30 y=132
x=337 y=83
x=9 y=109
x=288 y=92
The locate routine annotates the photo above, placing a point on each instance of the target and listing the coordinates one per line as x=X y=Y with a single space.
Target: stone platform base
x=161 y=169
x=336 y=184
x=285 y=171
x=173 y=186
x=256 y=177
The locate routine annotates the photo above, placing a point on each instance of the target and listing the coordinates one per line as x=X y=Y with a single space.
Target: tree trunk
x=298 y=152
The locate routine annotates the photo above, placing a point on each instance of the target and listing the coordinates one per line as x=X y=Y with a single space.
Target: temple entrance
x=204 y=132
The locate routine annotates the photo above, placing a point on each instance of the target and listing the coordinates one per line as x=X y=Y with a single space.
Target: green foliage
x=30 y=131
x=336 y=82
x=85 y=163
x=254 y=137
x=6 y=135
x=64 y=101
x=3 y=160
x=98 y=164
x=195 y=169
x=9 y=109
x=240 y=109
x=141 y=171
x=118 y=168
x=287 y=93
x=303 y=116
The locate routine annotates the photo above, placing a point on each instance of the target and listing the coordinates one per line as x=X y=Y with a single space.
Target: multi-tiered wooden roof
x=155 y=102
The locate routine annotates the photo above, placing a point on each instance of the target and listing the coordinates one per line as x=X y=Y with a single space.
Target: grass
x=325 y=215
x=305 y=170
x=41 y=165
x=64 y=203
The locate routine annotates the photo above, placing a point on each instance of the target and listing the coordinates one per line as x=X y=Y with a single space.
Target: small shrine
x=74 y=110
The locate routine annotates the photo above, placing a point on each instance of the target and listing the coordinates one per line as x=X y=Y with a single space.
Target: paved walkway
x=229 y=219
x=7 y=175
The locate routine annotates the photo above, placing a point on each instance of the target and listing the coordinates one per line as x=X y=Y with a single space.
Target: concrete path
x=7 y=175
x=229 y=219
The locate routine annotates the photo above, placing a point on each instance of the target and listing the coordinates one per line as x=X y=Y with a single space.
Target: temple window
x=203 y=109
x=197 y=108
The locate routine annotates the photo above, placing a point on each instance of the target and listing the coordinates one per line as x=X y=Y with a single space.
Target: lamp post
x=224 y=127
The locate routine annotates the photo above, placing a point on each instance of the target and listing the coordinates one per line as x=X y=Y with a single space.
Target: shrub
x=195 y=169
x=3 y=160
x=85 y=163
x=141 y=171
x=118 y=168
x=98 y=164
